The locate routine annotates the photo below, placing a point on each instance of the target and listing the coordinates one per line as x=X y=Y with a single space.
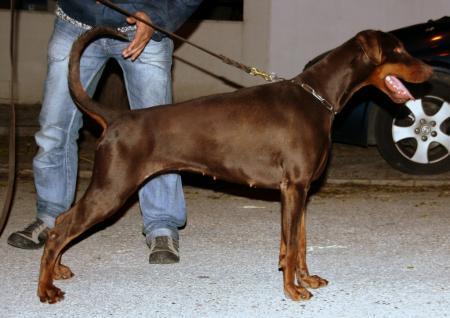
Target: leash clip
x=269 y=77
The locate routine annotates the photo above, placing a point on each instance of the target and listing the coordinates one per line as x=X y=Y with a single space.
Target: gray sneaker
x=163 y=250
x=31 y=238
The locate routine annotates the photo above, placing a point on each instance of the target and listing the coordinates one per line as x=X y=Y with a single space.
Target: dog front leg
x=292 y=198
x=306 y=280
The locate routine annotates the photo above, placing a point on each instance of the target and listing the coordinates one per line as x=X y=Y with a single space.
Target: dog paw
x=62 y=272
x=50 y=294
x=313 y=281
x=297 y=293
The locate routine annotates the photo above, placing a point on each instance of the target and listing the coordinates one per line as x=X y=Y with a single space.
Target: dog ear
x=370 y=43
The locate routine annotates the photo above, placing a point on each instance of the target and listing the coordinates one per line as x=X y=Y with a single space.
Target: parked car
x=413 y=138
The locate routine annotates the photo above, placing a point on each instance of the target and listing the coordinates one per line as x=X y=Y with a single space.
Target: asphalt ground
x=384 y=249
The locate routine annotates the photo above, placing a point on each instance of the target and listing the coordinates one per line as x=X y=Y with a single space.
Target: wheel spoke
x=416 y=108
x=443 y=113
x=400 y=133
x=421 y=154
x=443 y=140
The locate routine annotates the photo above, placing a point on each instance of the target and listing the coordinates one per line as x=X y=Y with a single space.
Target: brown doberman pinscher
x=270 y=136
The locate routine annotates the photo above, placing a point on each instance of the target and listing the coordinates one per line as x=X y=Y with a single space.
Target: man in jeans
x=146 y=63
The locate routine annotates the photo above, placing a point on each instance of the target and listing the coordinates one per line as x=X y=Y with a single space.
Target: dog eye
x=398 y=50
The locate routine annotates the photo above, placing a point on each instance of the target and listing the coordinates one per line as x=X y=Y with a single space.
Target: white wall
x=302 y=29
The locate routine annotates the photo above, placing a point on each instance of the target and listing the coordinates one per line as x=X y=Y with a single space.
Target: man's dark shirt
x=167 y=14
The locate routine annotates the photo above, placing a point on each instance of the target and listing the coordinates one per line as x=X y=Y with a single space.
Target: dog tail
x=100 y=113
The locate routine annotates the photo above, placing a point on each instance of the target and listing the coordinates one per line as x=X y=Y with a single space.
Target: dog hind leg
x=97 y=204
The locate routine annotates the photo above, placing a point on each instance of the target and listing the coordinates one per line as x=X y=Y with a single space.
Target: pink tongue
x=397 y=87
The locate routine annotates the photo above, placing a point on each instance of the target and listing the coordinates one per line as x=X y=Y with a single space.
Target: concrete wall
x=276 y=35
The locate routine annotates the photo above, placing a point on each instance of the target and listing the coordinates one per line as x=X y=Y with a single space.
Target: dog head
x=391 y=64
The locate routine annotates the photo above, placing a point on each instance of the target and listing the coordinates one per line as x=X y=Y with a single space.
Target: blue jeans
x=148 y=83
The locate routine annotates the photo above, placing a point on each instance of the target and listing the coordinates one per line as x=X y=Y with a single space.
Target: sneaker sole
x=20 y=242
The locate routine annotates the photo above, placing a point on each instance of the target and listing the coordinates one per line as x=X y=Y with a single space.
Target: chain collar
x=319 y=97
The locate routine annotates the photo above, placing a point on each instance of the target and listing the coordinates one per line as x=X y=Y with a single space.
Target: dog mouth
x=398 y=92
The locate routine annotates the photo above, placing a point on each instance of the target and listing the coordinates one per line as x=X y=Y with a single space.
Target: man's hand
x=143 y=35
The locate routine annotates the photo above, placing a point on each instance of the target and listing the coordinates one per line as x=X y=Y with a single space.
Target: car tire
x=415 y=138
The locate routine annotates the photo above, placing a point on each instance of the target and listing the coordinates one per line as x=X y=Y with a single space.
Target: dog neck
x=333 y=77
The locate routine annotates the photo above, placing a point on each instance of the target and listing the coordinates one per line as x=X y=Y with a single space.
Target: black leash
x=270 y=77
x=12 y=126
